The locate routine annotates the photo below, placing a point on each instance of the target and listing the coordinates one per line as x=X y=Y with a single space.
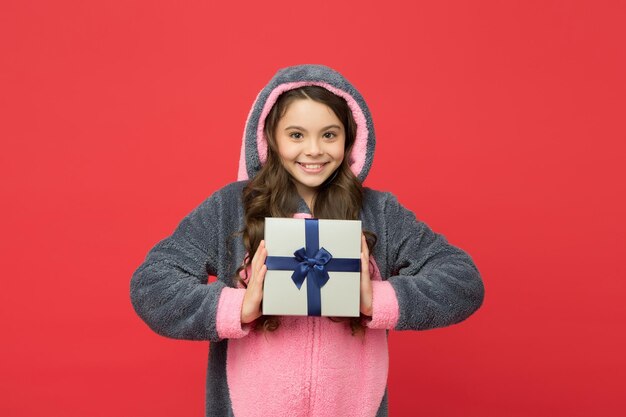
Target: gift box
x=313 y=267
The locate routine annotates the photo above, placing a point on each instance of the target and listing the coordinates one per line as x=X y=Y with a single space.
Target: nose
x=313 y=148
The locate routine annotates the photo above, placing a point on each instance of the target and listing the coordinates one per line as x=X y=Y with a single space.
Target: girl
x=308 y=145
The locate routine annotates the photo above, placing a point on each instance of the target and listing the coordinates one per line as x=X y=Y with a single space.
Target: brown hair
x=272 y=192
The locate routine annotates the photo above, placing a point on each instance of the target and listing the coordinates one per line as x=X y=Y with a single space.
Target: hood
x=254 y=146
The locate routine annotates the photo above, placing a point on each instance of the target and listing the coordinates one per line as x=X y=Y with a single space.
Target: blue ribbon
x=314 y=263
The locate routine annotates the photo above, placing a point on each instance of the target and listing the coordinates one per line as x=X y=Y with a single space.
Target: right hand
x=251 y=308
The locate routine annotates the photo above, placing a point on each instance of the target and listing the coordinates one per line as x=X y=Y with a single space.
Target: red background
x=499 y=123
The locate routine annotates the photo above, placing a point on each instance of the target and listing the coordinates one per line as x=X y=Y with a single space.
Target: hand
x=251 y=308
x=366 y=282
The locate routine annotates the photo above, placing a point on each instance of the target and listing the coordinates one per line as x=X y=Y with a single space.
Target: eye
x=330 y=135
x=295 y=135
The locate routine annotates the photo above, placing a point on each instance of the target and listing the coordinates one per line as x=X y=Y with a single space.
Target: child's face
x=311 y=142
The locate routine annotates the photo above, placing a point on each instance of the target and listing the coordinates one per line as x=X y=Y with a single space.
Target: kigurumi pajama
x=309 y=366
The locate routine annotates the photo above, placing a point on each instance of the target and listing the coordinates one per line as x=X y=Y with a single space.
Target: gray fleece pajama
x=309 y=366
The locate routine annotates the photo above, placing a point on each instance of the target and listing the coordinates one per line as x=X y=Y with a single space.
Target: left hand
x=366 y=282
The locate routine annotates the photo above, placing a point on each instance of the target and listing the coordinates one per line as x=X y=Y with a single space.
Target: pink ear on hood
x=359 y=149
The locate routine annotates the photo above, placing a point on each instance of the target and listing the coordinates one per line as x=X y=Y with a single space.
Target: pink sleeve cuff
x=385 y=311
x=228 y=320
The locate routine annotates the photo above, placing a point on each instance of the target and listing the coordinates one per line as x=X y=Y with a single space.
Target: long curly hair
x=272 y=192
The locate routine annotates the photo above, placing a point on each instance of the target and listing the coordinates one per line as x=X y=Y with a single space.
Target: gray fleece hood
x=254 y=146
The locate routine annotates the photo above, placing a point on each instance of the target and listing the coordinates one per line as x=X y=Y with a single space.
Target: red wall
x=499 y=123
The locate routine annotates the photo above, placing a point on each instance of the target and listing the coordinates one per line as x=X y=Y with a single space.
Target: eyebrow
x=303 y=129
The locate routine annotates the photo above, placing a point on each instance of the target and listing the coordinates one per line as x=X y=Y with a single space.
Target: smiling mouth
x=312 y=166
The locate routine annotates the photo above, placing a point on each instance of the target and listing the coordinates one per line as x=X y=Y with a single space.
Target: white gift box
x=321 y=239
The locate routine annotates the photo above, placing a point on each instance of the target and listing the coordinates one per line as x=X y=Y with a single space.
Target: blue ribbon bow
x=314 y=263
